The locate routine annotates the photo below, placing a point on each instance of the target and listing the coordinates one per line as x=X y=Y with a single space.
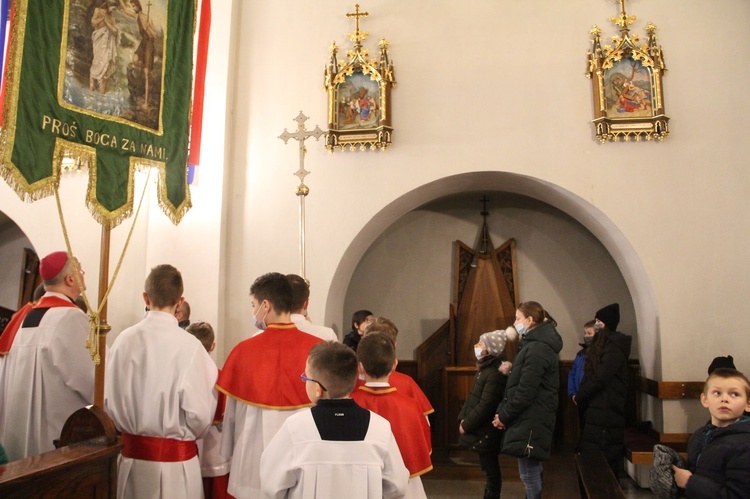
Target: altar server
x=159 y=391
x=337 y=449
x=261 y=380
x=377 y=360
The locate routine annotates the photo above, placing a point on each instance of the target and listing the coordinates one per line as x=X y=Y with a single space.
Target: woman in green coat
x=528 y=411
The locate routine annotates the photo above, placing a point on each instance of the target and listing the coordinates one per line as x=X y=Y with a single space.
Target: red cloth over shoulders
x=408 y=424
x=407 y=386
x=11 y=329
x=264 y=370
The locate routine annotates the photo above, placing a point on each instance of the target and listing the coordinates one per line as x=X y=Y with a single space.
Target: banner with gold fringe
x=102 y=84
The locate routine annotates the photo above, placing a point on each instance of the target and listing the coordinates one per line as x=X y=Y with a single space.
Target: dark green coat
x=530 y=404
x=479 y=409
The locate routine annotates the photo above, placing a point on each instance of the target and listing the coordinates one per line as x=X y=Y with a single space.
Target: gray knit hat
x=661 y=475
x=494 y=341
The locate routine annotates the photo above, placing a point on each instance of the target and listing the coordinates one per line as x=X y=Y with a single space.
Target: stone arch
x=588 y=215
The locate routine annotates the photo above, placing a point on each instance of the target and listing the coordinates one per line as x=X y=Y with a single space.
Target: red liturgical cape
x=9 y=334
x=264 y=370
x=406 y=385
x=408 y=424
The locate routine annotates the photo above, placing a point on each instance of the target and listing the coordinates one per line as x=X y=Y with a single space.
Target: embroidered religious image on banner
x=114 y=54
x=106 y=85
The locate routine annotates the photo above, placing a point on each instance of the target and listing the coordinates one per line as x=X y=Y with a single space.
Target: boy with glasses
x=336 y=449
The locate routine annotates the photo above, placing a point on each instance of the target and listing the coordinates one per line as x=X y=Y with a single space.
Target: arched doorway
x=19 y=273
x=583 y=212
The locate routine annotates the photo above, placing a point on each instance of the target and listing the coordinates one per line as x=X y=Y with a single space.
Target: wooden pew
x=595 y=477
x=84 y=464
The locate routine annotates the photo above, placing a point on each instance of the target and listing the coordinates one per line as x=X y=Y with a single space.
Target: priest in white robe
x=48 y=373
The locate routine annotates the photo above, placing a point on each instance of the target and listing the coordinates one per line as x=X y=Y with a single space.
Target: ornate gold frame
x=627 y=107
x=359 y=95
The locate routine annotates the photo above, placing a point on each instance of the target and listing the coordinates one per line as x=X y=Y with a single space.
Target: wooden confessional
x=484 y=298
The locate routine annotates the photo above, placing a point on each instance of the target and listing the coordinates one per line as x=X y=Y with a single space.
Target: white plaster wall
x=499 y=86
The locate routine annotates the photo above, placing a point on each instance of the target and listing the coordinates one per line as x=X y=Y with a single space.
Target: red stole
x=264 y=370
x=9 y=334
x=408 y=424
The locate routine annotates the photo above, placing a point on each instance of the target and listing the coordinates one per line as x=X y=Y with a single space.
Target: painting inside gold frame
x=359 y=104
x=359 y=112
x=627 y=84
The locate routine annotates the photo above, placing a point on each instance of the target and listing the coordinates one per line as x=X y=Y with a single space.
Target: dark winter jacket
x=479 y=409
x=604 y=392
x=719 y=459
x=530 y=404
x=352 y=339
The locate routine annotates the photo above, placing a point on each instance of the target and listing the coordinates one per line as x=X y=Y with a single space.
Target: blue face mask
x=260 y=324
x=521 y=328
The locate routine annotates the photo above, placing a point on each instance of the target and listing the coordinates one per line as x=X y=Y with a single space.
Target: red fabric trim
x=264 y=370
x=196 y=128
x=163 y=450
x=9 y=334
x=5 y=62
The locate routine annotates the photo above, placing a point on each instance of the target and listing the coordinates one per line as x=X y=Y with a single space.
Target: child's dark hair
x=377 y=353
x=589 y=324
x=383 y=325
x=359 y=317
x=335 y=366
x=164 y=286
x=275 y=288
x=724 y=373
x=300 y=291
x=204 y=332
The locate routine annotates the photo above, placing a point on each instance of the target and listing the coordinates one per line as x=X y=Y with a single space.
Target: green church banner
x=102 y=84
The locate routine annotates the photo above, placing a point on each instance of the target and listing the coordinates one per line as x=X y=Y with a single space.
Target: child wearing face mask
x=261 y=380
x=475 y=419
x=576 y=372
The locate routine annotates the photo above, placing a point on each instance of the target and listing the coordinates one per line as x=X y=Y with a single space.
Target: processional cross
x=302 y=190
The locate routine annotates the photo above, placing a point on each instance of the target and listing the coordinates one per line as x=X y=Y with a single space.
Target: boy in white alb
x=335 y=450
x=159 y=391
x=214 y=466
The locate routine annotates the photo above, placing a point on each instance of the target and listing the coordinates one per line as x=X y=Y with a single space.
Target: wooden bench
x=595 y=477
x=639 y=446
x=83 y=465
